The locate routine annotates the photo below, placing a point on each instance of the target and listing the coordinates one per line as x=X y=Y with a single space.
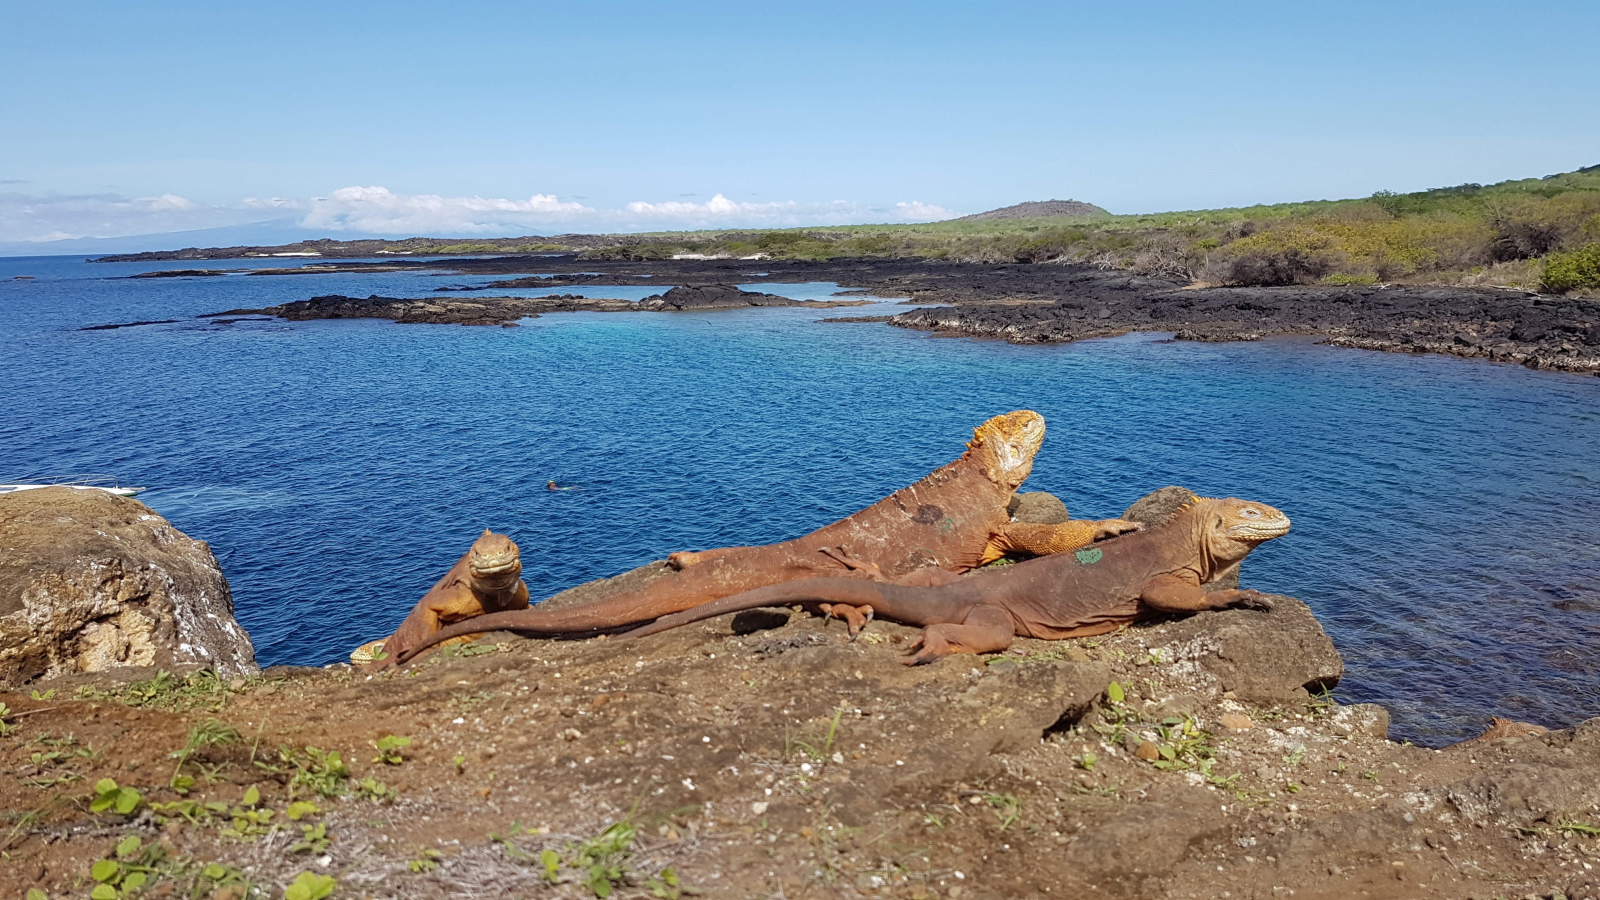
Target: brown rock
x=1037 y=507
x=90 y=581
x=1148 y=751
x=1236 y=722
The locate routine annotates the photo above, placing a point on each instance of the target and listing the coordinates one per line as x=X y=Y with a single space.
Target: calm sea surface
x=1447 y=513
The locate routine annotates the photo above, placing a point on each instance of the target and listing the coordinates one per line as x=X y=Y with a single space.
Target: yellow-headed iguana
x=487 y=579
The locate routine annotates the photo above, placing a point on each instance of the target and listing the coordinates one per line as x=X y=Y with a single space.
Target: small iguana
x=1092 y=591
x=487 y=579
x=953 y=520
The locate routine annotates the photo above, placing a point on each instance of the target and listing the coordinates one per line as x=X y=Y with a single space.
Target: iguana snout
x=1245 y=521
x=494 y=557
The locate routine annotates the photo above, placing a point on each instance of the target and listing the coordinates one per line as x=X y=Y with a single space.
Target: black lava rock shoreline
x=1537 y=331
x=1019 y=302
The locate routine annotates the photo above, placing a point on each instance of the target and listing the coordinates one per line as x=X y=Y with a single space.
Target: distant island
x=1527 y=234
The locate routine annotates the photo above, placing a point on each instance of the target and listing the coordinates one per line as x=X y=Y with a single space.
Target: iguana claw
x=1249 y=599
x=855 y=617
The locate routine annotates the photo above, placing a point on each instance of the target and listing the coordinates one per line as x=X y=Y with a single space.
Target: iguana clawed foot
x=1249 y=599
x=855 y=617
x=1107 y=528
x=854 y=563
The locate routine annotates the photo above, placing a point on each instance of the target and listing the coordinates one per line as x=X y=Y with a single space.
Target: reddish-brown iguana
x=487 y=579
x=1092 y=591
x=949 y=522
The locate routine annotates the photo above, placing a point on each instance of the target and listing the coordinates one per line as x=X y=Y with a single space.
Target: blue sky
x=503 y=118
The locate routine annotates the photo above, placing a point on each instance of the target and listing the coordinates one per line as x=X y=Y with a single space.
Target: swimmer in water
x=551 y=485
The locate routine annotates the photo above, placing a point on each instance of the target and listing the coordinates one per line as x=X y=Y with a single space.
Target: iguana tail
x=911 y=605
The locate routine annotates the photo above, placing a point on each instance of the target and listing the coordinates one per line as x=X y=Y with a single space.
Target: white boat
x=92 y=482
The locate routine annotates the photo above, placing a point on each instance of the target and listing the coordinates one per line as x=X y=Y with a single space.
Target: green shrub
x=1575 y=271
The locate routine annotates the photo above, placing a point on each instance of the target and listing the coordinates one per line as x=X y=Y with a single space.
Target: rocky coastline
x=1031 y=303
x=506 y=310
x=761 y=754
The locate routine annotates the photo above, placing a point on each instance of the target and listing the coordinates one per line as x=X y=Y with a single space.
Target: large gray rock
x=90 y=582
x=1037 y=507
x=1266 y=658
x=1157 y=507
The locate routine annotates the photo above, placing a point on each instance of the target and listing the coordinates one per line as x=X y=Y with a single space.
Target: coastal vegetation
x=1529 y=234
x=1510 y=234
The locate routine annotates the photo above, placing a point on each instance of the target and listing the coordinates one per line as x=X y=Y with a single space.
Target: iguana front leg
x=1042 y=540
x=1171 y=593
x=683 y=559
x=986 y=629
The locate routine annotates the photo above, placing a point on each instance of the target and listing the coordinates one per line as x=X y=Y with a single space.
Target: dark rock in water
x=1154 y=508
x=1037 y=507
x=181 y=273
x=725 y=296
x=90 y=581
x=127 y=325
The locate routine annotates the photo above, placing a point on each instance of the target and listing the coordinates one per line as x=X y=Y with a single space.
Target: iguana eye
x=1250 y=513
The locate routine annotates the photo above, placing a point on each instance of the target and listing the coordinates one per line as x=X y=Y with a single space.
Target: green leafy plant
x=134 y=867
x=1007 y=808
x=4 y=726
x=166 y=691
x=313 y=839
x=110 y=795
x=309 y=886
x=427 y=860
x=317 y=772
x=603 y=859
x=375 y=790
x=389 y=748
x=1086 y=761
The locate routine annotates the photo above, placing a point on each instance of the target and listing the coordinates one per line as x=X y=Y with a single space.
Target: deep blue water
x=1447 y=513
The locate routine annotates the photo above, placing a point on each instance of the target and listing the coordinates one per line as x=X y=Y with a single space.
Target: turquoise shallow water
x=1447 y=513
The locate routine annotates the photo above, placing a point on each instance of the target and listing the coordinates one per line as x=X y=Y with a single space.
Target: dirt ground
x=769 y=757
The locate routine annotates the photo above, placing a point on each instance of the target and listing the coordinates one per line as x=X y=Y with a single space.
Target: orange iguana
x=487 y=579
x=1092 y=591
x=949 y=522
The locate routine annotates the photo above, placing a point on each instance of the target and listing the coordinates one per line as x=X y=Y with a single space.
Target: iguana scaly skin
x=1091 y=591
x=949 y=522
x=487 y=579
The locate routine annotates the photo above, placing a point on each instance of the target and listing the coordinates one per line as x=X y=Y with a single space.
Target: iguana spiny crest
x=1006 y=445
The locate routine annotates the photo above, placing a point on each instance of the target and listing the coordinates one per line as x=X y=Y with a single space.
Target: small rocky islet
x=757 y=755
x=1017 y=302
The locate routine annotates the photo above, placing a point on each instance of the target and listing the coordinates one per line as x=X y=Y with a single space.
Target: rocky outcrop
x=1506 y=326
x=726 y=296
x=1037 y=507
x=90 y=582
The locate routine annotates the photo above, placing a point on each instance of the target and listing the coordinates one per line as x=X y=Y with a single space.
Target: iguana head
x=1006 y=445
x=494 y=560
x=1233 y=527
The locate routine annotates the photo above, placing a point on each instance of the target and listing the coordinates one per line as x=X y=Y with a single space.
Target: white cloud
x=50 y=217
x=378 y=210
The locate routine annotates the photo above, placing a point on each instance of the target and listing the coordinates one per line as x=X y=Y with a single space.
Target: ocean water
x=1447 y=512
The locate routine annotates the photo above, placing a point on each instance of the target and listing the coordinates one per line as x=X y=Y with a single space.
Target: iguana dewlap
x=1091 y=591
x=949 y=522
x=487 y=579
